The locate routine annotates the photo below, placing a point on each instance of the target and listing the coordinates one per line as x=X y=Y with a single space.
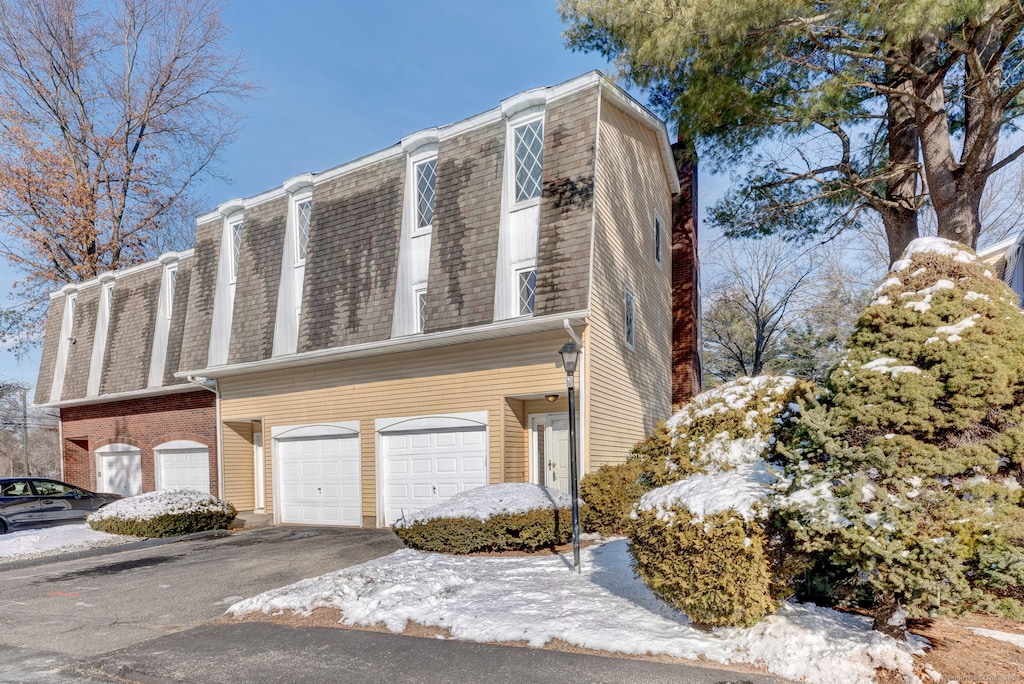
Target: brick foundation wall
x=143 y=423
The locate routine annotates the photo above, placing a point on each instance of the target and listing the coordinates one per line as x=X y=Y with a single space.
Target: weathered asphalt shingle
x=195 y=345
x=259 y=275
x=83 y=332
x=48 y=359
x=176 y=328
x=349 y=291
x=467 y=216
x=567 y=204
x=130 y=333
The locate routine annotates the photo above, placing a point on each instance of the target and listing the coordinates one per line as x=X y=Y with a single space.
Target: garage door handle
x=434 y=487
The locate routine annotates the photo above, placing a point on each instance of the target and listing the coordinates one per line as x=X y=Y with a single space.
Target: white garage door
x=119 y=470
x=320 y=480
x=184 y=468
x=425 y=467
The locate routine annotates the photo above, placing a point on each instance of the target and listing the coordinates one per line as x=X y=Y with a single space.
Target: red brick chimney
x=686 y=359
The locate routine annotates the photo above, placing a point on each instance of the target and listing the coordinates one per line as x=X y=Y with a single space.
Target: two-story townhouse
x=384 y=334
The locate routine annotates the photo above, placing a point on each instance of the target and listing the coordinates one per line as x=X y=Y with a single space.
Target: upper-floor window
x=658 y=238
x=630 y=319
x=426 y=182
x=529 y=156
x=526 y=281
x=303 y=214
x=172 y=281
x=420 y=297
x=236 y=248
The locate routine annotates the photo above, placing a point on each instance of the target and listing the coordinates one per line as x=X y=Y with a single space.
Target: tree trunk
x=890 y=618
x=899 y=212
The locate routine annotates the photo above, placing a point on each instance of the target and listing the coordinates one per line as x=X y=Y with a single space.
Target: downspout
x=220 y=452
x=60 y=441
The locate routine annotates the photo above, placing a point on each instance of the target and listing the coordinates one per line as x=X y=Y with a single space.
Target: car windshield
x=51 y=488
x=15 y=488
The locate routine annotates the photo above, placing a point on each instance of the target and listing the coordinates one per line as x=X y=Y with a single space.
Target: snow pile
x=732 y=396
x=537 y=599
x=32 y=543
x=740 y=489
x=889 y=365
x=163 y=502
x=934 y=245
x=482 y=503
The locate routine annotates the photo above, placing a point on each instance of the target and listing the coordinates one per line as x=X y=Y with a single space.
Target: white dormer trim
x=510 y=107
x=293 y=272
x=162 y=324
x=231 y=207
x=412 y=143
x=298 y=184
x=99 y=342
x=67 y=325
x=224 y=294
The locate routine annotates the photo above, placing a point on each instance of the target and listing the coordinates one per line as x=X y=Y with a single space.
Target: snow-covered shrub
x=501 y=517
x=610 y=492
x=164 y=513
x=705 y=540
x=907 y=473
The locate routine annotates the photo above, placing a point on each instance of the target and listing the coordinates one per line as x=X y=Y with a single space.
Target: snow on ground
x=1015 y=639
x=161 y=502
x=45 y=541
x=483 y=502
x=537 y=599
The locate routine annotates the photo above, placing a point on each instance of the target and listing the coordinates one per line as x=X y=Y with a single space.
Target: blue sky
x=341 y=79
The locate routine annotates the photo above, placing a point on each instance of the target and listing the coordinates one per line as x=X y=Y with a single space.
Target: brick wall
x=686 y=370
x=144 y=423
x=259 y=275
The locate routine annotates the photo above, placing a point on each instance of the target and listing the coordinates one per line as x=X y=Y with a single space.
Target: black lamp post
x=570 y=352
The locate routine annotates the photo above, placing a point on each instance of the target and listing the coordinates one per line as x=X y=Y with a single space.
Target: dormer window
x=303 y=213
x=527 y=282
x=172 y=280
x=529 y=157
x=236 y=248
x=426 y=181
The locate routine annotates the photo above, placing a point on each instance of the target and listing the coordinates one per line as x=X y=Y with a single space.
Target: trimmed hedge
x=527 y=531
x=717 y=570
x=168 y=524
x=610 y=493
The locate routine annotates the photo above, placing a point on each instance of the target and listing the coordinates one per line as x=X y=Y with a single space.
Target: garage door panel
x=184 y=468
x=320 y=480
x=427 y=467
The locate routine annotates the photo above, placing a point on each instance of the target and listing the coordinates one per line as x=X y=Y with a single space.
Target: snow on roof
x=483 y=502
x=161 y=502
x=703 y=494
x=537 y=599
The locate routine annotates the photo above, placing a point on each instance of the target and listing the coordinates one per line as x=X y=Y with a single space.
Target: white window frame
x=417 y=162
x=301 y=247
x=236 y=235
x=419 y=300
x=171 y=274
x=629 y=318
x=518 y=270
x=67 y=327
x=659 y=238
x=515 y=204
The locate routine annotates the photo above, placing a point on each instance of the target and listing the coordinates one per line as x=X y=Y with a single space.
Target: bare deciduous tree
x=108 y=113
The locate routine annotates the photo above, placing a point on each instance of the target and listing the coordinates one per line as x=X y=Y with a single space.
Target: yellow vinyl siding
x=239 y=465
x=470 y=377
x=628 y=391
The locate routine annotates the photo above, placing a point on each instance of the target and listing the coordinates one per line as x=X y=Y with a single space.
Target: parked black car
x=27 y=502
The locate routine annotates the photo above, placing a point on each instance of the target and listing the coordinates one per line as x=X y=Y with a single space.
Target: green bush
x=610 y=493
x=163 y=514
x=715 y=570
x=526 y=531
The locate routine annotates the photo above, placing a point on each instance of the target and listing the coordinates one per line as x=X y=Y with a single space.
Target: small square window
x=420 y=296
x=426 y=183
x=236 y=248
x=304 y=211
x=630 y=320
x=658 y=238
x=527 y=288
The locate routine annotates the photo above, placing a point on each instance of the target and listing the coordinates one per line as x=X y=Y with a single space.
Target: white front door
x=320 y=480
x=426 y=467
x=184 y=469
x=119 y=470
x=549 y=450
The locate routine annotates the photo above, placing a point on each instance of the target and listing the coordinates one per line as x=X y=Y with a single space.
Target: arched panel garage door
x=319 y=475
x=428 y=460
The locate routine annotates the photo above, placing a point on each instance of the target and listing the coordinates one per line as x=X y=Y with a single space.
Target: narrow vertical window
x=657 y=238
x=426 y=182
x=420 y=302
x=630 y=320
x=303 y=213
x=172 y=281
x=529 y=157
x=527 y=284
x=236 y=248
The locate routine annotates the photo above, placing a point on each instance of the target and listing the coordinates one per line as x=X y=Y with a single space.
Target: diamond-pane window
x=305 y=211
x=527 y=291
x=630 y=320
x=236 y=247
x=421 y=309
x=529 y=144
x=426 y=180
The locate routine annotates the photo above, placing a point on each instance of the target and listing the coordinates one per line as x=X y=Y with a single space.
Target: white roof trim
x=108 y=276
x=413 y=142
x=298 y=183
x=491 y=331
x=122 y=396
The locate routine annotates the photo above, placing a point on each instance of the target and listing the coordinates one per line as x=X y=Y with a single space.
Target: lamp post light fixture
x=570 y=353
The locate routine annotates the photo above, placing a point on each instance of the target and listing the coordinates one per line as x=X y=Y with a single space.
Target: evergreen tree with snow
x=907 y=473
